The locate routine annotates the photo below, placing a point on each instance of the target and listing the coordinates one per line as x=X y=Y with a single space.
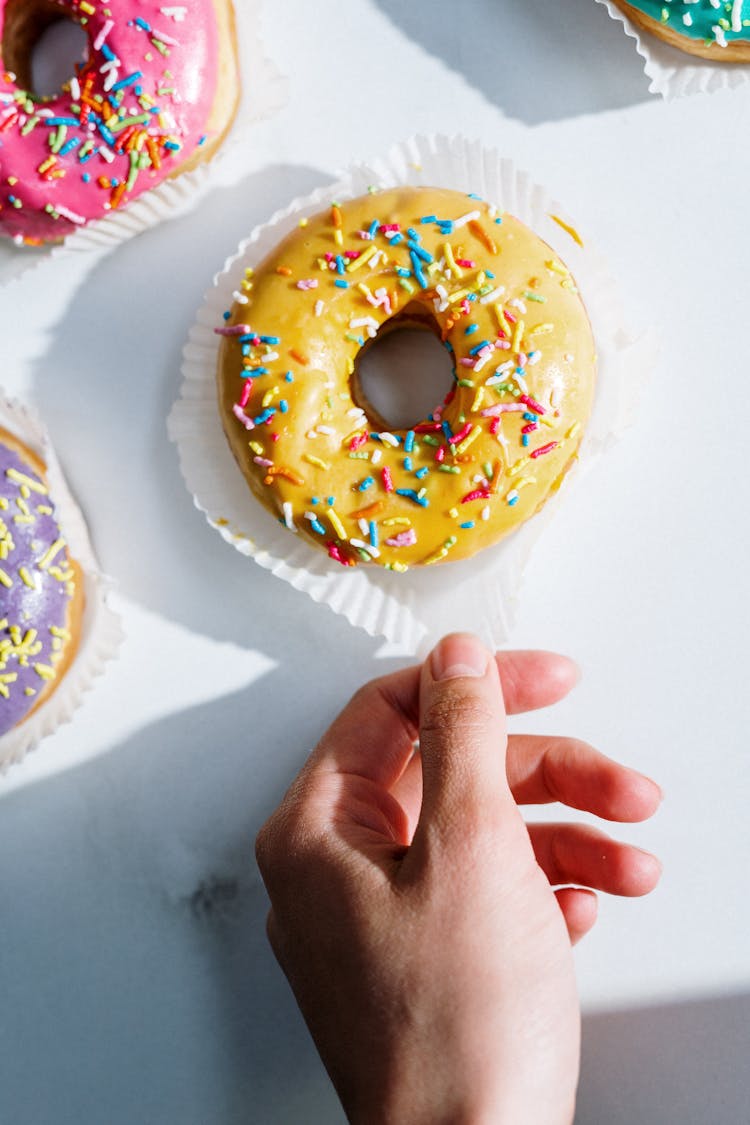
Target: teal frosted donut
x=712 y=29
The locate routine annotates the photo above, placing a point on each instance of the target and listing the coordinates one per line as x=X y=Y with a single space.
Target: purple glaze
x=24 y=550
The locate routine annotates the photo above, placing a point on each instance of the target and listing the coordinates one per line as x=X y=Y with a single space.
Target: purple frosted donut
x=40 y=587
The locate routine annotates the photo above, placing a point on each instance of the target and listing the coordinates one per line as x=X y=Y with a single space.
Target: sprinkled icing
x=36 y=587
x=507 y=310
x=133 y=112
x=715 y=21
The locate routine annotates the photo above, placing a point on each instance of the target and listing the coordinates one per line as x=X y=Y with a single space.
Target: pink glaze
x=86 y=162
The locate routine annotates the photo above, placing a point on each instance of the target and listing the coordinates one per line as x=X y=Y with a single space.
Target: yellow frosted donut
x=313 y=450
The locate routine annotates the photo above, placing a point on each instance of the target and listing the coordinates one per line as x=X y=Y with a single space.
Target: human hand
x=413 y=911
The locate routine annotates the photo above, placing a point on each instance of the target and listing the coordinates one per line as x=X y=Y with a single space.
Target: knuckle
x=453 y=712
x=366 y=696
x=364 y=693
x=558 y=858
x=610 y=795
x=624 y=877
x=578 y=752
x=281 y=846
x=562 y=759
x=566 y=754
x=265 y=847
x=510 y=675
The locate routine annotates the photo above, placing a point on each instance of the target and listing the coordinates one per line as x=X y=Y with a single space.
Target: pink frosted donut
x=155 y=97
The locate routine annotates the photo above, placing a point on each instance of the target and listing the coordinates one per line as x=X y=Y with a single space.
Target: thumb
x=463 y=739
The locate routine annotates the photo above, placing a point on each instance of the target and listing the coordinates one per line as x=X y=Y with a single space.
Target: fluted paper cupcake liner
x=410 y=609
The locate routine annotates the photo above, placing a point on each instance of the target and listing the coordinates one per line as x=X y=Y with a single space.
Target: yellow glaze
x=493 y=291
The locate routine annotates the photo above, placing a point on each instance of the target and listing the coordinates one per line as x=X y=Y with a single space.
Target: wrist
x=420 y=1100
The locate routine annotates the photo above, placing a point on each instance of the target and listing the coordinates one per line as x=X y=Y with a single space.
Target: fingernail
x=650 y=855
x=459 y=655
x=651 y=781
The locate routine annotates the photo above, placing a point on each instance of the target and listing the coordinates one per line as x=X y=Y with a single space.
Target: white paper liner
x=413 y=609
x=101 y=628
x=673 y=73
x=263 y=93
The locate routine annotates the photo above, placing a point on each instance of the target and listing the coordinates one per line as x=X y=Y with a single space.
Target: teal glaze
x=706 y=17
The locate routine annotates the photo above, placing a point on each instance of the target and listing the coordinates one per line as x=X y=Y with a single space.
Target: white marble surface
x=136 y=984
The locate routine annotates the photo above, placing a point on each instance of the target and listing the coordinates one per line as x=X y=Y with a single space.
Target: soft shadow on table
x=123 y=470
x=591 y=66
x=135 y=962
x=672 y=1064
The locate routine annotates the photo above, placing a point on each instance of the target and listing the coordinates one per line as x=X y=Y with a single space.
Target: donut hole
x=402 y=374
x=42 y=46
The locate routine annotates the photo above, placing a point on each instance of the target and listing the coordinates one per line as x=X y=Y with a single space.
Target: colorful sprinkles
x=717 y=22
x=36 y=586
x=485 y=458
x=121 y=125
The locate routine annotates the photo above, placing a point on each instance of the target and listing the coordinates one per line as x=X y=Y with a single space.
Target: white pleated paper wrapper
x=673 y=73
x=410 y=610
x=263 y=93
x=101 y=629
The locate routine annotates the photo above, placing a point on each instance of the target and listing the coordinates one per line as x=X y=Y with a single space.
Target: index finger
x=374 y=735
